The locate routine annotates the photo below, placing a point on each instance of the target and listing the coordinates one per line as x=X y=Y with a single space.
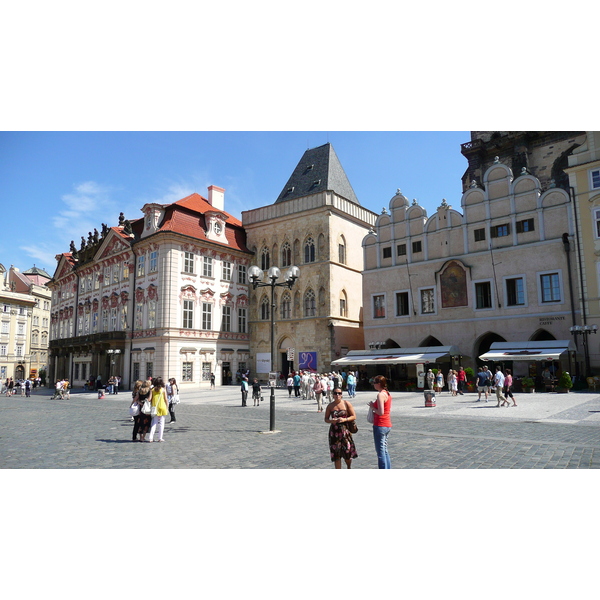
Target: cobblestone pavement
x=550 y=431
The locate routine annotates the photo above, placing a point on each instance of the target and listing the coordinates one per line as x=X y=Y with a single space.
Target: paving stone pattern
x=215 y=432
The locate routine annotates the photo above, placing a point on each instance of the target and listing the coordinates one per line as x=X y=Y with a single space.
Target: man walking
x=499 y=383
x=482 y=383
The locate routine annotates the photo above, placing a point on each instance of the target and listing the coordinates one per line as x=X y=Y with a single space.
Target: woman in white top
x=172 y=397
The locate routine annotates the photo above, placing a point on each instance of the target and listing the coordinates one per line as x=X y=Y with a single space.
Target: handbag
x=147 y=408
x=370 y=415
x=352 y=426
x=134 y=409
x=175 y=399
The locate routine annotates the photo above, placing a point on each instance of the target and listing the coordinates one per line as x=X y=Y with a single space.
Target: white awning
x=528 y=351
x=394 y=356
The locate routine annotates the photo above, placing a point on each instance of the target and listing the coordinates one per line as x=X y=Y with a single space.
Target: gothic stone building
x=313 y=224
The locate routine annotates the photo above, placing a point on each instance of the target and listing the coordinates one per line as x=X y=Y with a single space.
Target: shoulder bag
x=370 y=415
x=134 y=409
x=147 y=408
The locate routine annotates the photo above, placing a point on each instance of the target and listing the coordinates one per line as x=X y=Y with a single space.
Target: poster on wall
x=420 y=376
x=263 y=362
x=308 y=361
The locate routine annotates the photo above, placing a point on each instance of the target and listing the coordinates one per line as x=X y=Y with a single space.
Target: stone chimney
x=216 y=197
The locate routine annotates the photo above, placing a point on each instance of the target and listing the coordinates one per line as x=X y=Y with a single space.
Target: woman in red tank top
x=382 y=422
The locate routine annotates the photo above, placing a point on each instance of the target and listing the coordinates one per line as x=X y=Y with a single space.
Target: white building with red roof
x=165 y=295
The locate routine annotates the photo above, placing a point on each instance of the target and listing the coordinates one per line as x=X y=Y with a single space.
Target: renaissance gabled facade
x=502 y=269
x=165 y=295
x=314 y=224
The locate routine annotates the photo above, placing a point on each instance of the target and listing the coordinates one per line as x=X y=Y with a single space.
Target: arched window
x=343 y=304
x=309 y=303
x=265 y=313
x=309 y=250
x=286 y=255
x=265 y=259
x=286 y=306
x=342 y=250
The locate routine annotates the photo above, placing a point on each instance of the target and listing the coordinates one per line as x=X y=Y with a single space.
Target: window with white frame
x=90 y=282
x=153 y=266
x=94 y=322
x=226 y=270
x=188 y=314
x=3 y=349
x=141 y=266
x=188 y=262
x=402 y=304
x=82 y=285
x=125 y=271
x=206 y=371
x=483 y=294
x=124 y=317
x=550 y=288
x=427 y=301
x=206 y=316
x=104 y=319
x=19 y=350
x=5 y=326
x=114 y=319
x=207 y=266
x=515 y=291
x=242 y=274
x=96 y=281
x=379 y=306
x=151 y=314
x=116 y=275
x=242 y=320
x=595 y=179
x=597 y=223
x=187 y=371
x=139 y=316
x=226 y=318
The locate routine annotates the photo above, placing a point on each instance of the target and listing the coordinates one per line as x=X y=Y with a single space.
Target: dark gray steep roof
x=318 y=170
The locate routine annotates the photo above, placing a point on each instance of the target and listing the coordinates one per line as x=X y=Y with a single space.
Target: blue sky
x=57 y=186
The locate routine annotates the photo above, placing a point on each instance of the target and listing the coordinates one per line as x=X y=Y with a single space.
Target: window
x=188 y=314
x=500 y=231
x=550 y=287
x=187 y=371
x=342 y=253
x=35 y=338
x=417 y=247
x=286 y=306
x=525 y=225
x=141 y=266
x=428 y=301
x=595 y=179
x=139 y=316
x=76 y=372
x=242 y=274
x=90 y=283
x=286 y=255
x=5 y=326
x=82 y=285
x=113 y=319
x=105 y=319
x=242 y=320
x=206 y=371
x=226 y=270
x=123 y=318
x=226 y=318
x=265 y=259
x=379 y=306
x=136 y=371
x=597 y=220
x=96 y=285
x=309 y=250
x=206 y=315
x=479 y=235
x=149 y=369
x=515 y=292
x=125 y=273
x=153 y=266
x=151 y=314
x=343 y=308
x=19 y=350
x=309 y=304
x=483 y=294
x=3 y=350
x=188 y=262
x=401 y=250
x=115 y=274
x=402 y=307
x=264 y=309
x=95 y=322
x=207 y=266
x=387 y=252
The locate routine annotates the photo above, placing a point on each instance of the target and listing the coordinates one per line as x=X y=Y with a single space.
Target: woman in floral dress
x=341 y=444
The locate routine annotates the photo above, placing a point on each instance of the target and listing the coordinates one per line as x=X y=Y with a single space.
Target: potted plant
x=528 y=385
x=469 y=377
x=411 y=386
x=565 y=383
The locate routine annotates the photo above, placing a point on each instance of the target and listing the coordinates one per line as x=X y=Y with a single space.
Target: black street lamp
x=584 y=331
x=255 y=274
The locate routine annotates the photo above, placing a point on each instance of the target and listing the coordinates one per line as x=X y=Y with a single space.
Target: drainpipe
x=583 y=309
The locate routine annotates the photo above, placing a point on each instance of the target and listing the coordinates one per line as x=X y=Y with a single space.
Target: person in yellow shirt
x=159 y=401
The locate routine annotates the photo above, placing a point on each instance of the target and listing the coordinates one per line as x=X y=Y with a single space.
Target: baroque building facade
x=165 y=295
x=500 y=270
x=313 y=224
